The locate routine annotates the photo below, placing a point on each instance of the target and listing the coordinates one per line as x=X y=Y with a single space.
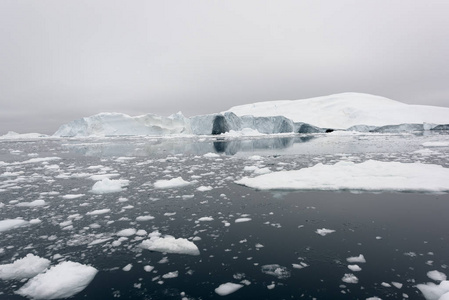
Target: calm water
x=401 y=235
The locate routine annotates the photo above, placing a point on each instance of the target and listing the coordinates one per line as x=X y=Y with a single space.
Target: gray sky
x=62 y=60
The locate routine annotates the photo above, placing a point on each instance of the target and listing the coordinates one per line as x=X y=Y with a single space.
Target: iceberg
x=346 y=111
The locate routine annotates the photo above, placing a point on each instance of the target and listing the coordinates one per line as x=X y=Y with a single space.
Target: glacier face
x=348 y=111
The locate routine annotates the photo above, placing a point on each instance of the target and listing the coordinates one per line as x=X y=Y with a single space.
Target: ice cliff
x=347 y=111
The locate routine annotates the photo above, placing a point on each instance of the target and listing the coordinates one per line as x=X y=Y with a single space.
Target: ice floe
x=26 y=267
x=61 y=281
x=324 y=231
x=107 y=185
x=171 y=183
x=370 y=175
x=169 y=244
x=11 y=224
x=228 y=288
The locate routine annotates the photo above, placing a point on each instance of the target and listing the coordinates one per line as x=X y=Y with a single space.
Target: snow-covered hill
x=353 y=111
x=344 y=110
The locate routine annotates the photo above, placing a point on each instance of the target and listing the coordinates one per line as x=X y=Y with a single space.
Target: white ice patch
x=204 y=188
x=34 y=203
x=171 y=183
x=205 y=219
x=276 y=270
x=432 y=291
x=127 y=232
x=211 y=155
x=98 y=212
x=436 y=144
x=350 y=278
x=170 y=275
x=370 y=175
x=11 y=224
x=72 y=196
x=26 y=267
x=227 y=288
x=241 y=220
x=356 y=259
x=436 y=275
x=144 y=218
x=324 y=231
x=109 y=186
x=169 y=244
x=61 y=281
x=354 y=268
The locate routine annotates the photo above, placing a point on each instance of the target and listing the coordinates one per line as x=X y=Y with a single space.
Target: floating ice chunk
x=171 y=183
x=350 y=278
x=99 y=241
x=385 y=284
x=436 y=275
x=72 y=196
x=37 y=160
x=241 y=220
x=211 y=155
x=356 y=259
x=61 y=281
x=276 y=270
x=127 y=232
x=397 y=284
x=205 y=219
x=354 y=268
x=170 y=244
x=324 y=231
x=170 y=275
x=271 y=286
x=144 y=218
x=32 y=203
x=35 y=221
x=109 y=186
x=373 y=298
x=260 y=171
x=98 y=212
x=148 y=268
x=370 y=175
x=26 y=267
x=11 y=224
x=436 y=144
x=432 y=291
x=228 y=288
x=141 y=232
x=204 y=188
x=127 y=268
x=301 y=265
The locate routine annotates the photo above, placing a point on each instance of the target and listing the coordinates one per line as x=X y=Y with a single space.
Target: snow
x=356 y=259
x=346 y=110
x=436 y=275
x=26 y=267
x=109 y=186
x=61 y=281
x=227 y=288
x=324 y=231
x=432 y=291
x=171 y=183
x=11 y=224
x=370 y=175
x=169 y=244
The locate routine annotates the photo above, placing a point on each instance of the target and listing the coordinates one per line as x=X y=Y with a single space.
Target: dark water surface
x=401 y=235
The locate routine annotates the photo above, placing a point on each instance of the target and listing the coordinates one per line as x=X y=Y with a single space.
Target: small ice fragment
x=170 y=275
x=324 y=231
x=205 y=219
x=144 y=218
x=436 y=275
x=172 y=183
x=350 y=278
x=356 y=259
x=127 y=232
x=227 y=288
x=127 y=268
x=241 y=220
x=148 y=268
x=109 y=186
x=354 y=268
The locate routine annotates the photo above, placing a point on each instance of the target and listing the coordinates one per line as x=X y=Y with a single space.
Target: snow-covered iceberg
x=347 y=111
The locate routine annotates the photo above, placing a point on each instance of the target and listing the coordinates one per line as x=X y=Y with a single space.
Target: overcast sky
x=62 y=60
